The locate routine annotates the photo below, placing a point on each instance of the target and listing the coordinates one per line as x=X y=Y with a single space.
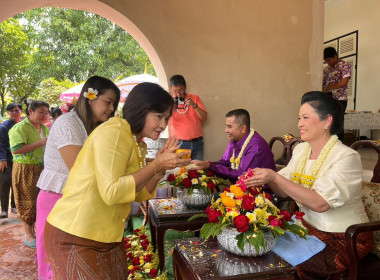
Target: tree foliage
x=75 y=44
x=51 y=89
x=65 y=45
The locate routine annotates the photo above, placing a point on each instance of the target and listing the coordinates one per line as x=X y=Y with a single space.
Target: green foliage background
x=47 y=50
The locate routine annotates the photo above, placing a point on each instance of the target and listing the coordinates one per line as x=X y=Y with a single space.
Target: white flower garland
x=307 y=181
x=140 y=150
x=235 y=163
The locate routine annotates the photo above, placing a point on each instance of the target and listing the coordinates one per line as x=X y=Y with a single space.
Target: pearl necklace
x=235 y=163
x=307 y=181
x=140 y=150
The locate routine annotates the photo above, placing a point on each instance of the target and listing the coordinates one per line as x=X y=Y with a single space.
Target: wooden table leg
x=160 y=246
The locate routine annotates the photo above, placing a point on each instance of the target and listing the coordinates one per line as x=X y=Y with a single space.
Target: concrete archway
x=11 y=8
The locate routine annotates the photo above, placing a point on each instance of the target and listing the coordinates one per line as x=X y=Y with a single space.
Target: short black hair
x=34 y=105
x=13 y=105
x=177 y=80
x=56 y=112
x=144 y=98
x=241 y=115
x=324 y=105
x=329 y=52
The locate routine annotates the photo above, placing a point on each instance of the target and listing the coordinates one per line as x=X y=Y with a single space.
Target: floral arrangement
x=250 y=211
x=195 y=179
x=142 y=261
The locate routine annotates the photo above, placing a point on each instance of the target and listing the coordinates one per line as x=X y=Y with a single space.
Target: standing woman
x=84 y=231
x=324 y=177
x=27 y=140
x=97 y=102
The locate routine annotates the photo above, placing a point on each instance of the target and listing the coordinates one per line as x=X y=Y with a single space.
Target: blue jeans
x=195 y=147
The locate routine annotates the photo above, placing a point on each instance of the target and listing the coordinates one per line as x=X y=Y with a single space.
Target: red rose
x=170 y=178
x=268 y=196
x=145 y=244
x=254 y=191
x=227 y=189
x=192 y=174
x=211 y=186
x=153 y=273
x=136 y=261
x=250 y=173
x=241 y=223
x=299 y=215
x=286 y=215
x=209 y=173
x=136 y=231
x=187 y=183
x=248 y=202
x=271 y=217
x=208 y=209
x=143 y=236
x=213 y=216
x=148 y=258
x=128 y=245
x=277 y=223
x=130 y=256
x=135 y=268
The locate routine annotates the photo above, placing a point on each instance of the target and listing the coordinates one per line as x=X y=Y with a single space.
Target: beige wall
x=252 y=54
x=343 y=17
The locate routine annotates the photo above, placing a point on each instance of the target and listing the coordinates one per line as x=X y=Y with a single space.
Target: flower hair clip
x=91 y=94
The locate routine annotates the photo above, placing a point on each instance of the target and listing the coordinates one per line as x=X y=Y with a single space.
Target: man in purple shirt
x=247 y=149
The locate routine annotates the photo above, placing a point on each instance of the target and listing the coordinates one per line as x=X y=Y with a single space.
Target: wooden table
x=194 y=259
x=362 y=120
x=163 y=217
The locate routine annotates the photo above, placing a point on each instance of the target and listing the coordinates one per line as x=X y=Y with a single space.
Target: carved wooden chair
x=288 y=141
x=369 y=267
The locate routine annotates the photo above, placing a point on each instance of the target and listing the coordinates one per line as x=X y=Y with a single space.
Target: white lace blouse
x=67 y=130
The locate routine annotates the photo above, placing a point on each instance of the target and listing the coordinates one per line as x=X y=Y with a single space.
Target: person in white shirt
x=324 y=177
x=97 y=102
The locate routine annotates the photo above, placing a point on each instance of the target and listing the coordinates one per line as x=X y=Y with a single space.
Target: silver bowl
x=199 y=199
x=228 y=242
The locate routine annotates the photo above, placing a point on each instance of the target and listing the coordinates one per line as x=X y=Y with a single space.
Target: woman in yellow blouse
x=84 y=231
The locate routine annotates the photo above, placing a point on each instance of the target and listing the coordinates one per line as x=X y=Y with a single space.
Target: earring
x=326 y=127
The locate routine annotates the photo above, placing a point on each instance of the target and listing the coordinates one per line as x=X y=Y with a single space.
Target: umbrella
x=69 y=94
x=127 y=84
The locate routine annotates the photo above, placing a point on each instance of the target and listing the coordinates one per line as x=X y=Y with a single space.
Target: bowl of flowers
x=245 y=220
x=143 y=263
x=195 y=187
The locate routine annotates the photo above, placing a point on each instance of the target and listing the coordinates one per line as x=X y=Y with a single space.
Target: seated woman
x=84 y=231
x=324 y=177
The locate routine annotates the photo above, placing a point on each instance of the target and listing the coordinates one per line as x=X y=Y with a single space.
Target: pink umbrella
x=68 y=95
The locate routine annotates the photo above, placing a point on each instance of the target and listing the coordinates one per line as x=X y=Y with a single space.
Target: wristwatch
x=195 y=106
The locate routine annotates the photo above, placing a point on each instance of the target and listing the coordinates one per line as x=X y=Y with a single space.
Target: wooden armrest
x=350 y=238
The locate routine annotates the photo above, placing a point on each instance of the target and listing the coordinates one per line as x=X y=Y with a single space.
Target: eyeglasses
x=14 y=112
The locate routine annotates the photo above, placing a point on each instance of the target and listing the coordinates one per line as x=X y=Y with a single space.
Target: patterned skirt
x=72 y=257
x=333 y=259
x=24 y=183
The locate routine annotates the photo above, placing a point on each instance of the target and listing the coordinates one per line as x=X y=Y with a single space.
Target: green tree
x=75 y=44
x=51 y=89
x=16 y=63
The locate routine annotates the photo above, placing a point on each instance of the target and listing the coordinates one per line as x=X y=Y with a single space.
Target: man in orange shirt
x=187 y=118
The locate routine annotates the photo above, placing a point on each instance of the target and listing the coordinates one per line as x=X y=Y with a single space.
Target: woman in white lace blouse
x=97 y=102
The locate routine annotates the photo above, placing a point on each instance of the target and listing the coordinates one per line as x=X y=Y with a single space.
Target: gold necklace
x=140 y=150
x=235 y=163
x=307 y=181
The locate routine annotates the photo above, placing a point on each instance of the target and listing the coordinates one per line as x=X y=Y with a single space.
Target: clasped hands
x=167 y=158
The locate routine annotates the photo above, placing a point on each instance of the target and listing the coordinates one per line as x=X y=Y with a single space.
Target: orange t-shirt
x=186 y=125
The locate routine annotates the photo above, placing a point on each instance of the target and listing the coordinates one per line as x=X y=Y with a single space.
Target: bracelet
x=154 y=167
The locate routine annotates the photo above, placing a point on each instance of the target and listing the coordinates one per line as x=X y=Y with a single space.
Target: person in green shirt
x=27 y=140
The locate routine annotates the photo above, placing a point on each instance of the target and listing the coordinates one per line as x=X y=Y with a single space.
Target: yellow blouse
x=97 y=196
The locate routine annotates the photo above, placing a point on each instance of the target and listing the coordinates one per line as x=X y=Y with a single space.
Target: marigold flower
x=228 y=201
x=237 y=191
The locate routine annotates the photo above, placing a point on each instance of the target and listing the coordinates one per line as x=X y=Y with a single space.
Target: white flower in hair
x=91 y=94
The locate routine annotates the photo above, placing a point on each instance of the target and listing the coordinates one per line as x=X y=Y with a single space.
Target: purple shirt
x=256 y=154
x=334 y=74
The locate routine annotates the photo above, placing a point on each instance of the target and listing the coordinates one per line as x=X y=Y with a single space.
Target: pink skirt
x=45 y=203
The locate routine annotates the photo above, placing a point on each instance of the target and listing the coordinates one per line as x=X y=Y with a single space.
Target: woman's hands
x=261 y=177
x=200 y=165
x=167 y=158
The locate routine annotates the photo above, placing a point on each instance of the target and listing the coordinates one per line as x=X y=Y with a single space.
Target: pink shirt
x=185 y=123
